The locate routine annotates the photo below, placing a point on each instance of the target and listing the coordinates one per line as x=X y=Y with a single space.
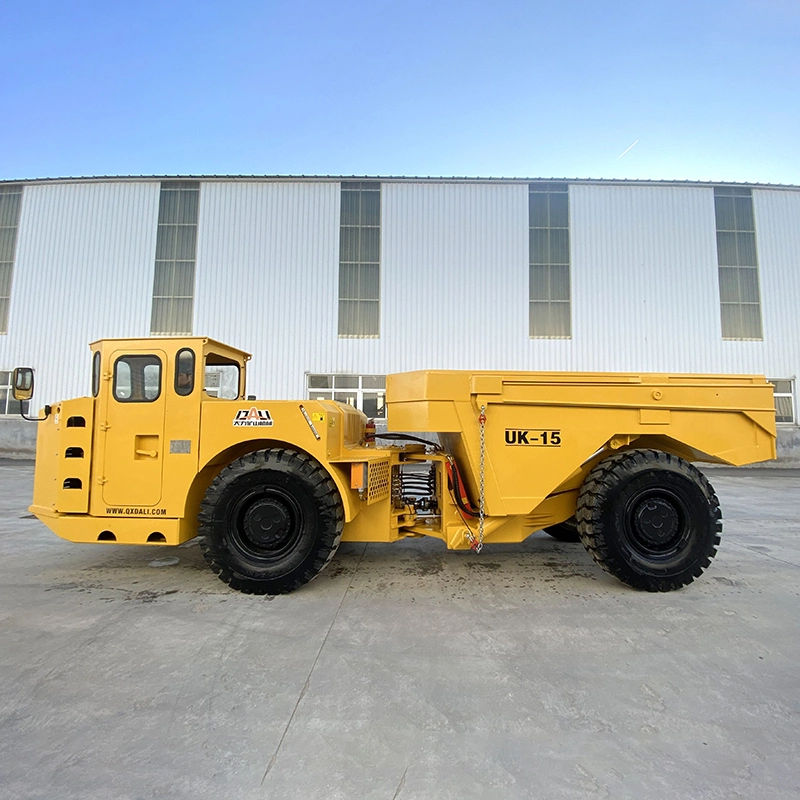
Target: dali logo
x=252 y=418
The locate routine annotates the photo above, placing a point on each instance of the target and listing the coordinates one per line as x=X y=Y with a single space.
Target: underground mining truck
x=169 y=447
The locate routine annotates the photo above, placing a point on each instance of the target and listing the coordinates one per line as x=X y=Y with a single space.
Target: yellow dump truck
x=169 y=447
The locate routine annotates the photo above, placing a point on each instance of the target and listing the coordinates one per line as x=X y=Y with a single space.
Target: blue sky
x=709 y=90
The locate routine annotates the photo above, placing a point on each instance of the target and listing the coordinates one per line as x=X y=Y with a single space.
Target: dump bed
x=542 y=429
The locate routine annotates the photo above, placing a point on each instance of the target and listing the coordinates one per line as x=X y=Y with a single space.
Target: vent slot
x=76 y=422
x=73 y=483
x=106 y=536
x=73 y=452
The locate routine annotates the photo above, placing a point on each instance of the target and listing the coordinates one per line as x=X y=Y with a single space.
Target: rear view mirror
x=22 y=383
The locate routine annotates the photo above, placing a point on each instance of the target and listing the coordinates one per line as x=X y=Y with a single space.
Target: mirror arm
x=47 y=411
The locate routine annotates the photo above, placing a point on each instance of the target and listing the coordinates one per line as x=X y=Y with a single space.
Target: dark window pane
x=539 y=247
x=726 y=220
x=370 y=245
x=314 y=394
x=349 y=398
x=539 y=282
x=781 y=387
x=539 y=319
x=747 y=249
x=373 y=382
x=320 y=382
x=374 y=405
x=188 y=207
x=731 y=321
x=345 y=381
x=165 y=242
x=185 y=238
x=168 y=207
x=9 y=210
x=559 y=246
x=784 y=411
x=559 y=210
x=348 y=316
x=559 y=283
x=182 y=316
x=163 y=279
x=5 y=280
x=537 y=210
x=729 y=285
x=369 y=287
x=370 y=317
x=371 y=208
x=744 y=214
x=162 y=308
x=748 y=285
x=350 y=206
x=559 y=320
x=183 y=281
x=726 y=250
x=349 y=244
x=348 y=281
x=8 y=237
x=751 y=321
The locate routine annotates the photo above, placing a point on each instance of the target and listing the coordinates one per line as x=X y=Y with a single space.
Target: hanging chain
x=478 y=546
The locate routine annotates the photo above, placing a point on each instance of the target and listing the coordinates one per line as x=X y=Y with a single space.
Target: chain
x=478 y=546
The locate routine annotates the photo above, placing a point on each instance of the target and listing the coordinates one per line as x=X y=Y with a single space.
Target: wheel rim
x=266 y=523
x=656 y=524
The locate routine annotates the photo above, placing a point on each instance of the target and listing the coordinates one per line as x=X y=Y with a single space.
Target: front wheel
x=270 y=521
x=649 y=518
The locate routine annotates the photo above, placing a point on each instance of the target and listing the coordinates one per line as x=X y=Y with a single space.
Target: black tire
x=566 y=531
x=271 y=521
x=649 y=518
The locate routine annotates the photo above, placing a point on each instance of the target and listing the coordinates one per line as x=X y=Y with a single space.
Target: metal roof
x=389 y=179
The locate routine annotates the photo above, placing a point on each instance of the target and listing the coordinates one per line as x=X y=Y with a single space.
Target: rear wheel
x=649 y=518
x=566 y=531
x=271 y=521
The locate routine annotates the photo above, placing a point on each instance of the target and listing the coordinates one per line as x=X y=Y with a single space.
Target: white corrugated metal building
x=332 y=282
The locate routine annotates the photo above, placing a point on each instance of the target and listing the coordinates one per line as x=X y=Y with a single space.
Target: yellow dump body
x=545 y=430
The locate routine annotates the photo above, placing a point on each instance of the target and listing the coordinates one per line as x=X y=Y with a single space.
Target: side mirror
x=22 y=383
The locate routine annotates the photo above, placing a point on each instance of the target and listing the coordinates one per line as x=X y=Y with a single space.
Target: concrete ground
x=404 y=671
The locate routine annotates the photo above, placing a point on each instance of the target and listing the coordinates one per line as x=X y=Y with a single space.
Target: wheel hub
x=268 y=523
x=656 y=521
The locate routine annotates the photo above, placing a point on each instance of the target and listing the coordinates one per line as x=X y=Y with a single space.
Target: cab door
x=133 y=428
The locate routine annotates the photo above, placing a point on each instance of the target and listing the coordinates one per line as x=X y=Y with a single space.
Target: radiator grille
x=377 y=481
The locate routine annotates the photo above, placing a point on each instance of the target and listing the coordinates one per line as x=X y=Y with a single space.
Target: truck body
x=169 y=445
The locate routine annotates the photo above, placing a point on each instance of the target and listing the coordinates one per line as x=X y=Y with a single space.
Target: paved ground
x=404 y=671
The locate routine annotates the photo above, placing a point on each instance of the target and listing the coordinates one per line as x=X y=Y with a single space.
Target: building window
x=365 y=392
x=176 y=244
x=8 y=405
x=10 y=202
x=740 y=304
x=784 y=401
x=360 y=261
x=549 y=298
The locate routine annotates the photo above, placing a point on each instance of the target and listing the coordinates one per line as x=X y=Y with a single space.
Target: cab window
x=221 y=377
x=184 y=372
x=137 y=379
x=96 y=374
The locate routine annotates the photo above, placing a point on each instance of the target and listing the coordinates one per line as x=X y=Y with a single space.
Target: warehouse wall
x=454 y=279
